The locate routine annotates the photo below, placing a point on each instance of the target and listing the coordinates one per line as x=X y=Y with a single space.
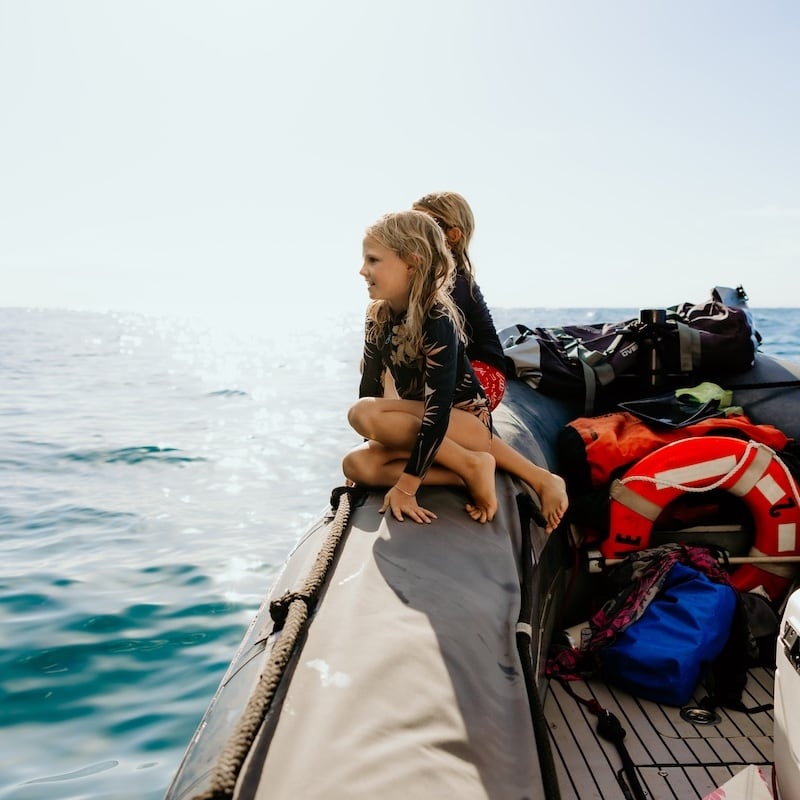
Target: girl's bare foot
x=480 y=483
x=552 y=492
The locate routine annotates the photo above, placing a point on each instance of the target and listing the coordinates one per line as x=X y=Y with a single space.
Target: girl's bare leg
x=372 y=464
x=551 y=488
x=395 y=423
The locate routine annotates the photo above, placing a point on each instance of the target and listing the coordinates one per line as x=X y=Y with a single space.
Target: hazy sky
x=187 y=155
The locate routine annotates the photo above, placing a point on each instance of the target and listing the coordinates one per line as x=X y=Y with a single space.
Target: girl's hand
x=399 y=503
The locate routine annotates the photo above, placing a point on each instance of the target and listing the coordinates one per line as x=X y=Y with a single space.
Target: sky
x=189 y=156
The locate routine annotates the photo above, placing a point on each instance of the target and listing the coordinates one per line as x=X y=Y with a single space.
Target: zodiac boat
x=398 y=661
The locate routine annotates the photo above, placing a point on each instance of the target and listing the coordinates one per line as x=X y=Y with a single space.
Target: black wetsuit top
x=484 y=343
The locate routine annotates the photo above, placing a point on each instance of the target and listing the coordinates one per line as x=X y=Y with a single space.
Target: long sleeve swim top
x=484 y=343
x=440 y=376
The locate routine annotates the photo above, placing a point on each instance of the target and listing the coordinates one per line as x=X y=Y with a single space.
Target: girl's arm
x=441 y=357
x=371 y=369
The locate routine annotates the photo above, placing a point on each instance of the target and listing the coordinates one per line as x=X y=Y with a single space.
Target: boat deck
x=674 y=759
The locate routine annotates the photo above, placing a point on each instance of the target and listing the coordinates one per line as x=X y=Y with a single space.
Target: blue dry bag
x=663 y=655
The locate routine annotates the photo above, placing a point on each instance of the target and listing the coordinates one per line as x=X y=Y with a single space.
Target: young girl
x=454 y=216
x=439 y=427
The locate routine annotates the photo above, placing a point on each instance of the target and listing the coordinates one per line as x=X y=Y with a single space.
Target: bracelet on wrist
x=407 y=494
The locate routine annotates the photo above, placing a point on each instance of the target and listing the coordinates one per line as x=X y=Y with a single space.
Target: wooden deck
x=674 y=759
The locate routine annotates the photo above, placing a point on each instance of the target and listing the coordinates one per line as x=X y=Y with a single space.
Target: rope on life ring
x=749 y=470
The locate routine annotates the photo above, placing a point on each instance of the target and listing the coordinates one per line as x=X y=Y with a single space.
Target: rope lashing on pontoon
x=290 y=614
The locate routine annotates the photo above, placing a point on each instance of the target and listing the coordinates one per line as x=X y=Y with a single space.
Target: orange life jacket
x=618 y=440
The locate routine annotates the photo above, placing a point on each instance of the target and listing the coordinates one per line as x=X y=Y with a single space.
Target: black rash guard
x=484 y=343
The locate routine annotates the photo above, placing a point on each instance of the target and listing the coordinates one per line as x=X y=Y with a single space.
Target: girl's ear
x=454 y=235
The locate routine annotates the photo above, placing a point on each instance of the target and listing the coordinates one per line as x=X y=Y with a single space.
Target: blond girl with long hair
x=438 y=429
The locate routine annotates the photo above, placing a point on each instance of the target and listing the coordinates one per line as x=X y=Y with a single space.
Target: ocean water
x=154 y=475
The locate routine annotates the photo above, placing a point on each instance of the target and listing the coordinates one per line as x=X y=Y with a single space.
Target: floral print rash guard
x=441 y=377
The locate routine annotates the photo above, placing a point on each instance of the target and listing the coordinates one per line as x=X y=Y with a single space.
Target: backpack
x=671 y=621
x=681 y=632
x=662 y=347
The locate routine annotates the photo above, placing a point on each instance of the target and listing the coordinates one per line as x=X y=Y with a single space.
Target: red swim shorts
x=492 y=380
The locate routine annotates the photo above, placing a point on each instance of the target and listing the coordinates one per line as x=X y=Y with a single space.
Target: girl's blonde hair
x=416 y=238
x=451 y=210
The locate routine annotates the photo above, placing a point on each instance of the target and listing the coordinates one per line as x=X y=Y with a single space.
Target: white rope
x=697 y=489
x=751 y=445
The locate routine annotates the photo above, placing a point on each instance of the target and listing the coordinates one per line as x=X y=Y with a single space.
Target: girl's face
x=388 y=276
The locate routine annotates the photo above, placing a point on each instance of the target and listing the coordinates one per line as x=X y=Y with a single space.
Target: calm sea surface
x=154 y=475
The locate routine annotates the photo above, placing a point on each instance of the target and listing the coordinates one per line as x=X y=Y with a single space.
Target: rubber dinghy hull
x=408 y=683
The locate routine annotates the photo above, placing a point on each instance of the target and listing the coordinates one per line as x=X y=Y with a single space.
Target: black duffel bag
x=683 y=343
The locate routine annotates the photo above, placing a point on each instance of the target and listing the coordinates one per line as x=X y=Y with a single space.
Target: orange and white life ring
x=749 y=470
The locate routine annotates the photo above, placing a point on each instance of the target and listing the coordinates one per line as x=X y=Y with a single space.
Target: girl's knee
x=359 y=413
x=352 y=415
x=352 y=466
x=347 y=466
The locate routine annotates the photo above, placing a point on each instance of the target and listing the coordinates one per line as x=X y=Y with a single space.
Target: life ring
x=749 y=470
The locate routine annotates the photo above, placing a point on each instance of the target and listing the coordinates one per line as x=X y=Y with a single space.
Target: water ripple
x=132 y=455
x=228 y=393
x=78 y=773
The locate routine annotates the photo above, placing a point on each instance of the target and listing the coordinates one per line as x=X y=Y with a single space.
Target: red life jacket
x=612 y=442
